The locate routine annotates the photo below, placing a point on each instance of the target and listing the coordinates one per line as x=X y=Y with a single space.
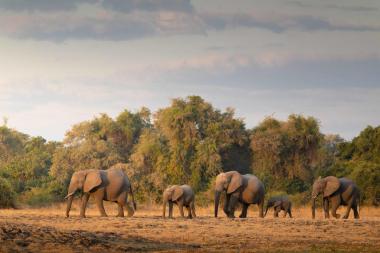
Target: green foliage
x=7 y=196
x=189 y=142
x=285 y=153
x=98 y=144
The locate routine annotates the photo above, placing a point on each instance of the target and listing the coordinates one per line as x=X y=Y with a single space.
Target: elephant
x=246 y=189
x=110 y=185
x=279 y=203
x=182 y=195
x=336 y=191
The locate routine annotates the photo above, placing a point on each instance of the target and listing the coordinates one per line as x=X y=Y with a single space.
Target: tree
x=285 y=153
x=99 y=143
x=190 y=142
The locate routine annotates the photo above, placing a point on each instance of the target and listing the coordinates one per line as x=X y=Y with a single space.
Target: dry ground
x=47 y=230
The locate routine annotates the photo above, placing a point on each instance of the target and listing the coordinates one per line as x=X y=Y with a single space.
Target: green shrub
x=7 y=195
x=37 y=197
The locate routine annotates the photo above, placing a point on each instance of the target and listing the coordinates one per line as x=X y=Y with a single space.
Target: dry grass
x=47 y=230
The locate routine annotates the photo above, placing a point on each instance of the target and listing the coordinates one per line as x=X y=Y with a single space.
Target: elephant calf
x=279 y=203
x=182 y=195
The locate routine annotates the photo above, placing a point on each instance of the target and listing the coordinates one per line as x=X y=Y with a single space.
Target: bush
x=37 y=197
x=7 y=195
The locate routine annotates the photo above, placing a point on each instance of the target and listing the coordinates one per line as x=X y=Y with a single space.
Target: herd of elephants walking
x=114 y=185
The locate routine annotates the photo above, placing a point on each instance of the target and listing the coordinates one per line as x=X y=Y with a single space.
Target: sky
x=63 y=62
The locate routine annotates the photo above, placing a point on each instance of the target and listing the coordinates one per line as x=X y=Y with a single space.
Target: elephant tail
x=133 y=197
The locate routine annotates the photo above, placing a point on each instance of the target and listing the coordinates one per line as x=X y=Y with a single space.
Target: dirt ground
x=47 y=230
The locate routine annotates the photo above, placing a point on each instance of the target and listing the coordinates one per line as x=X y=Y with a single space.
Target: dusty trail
x=49 y=231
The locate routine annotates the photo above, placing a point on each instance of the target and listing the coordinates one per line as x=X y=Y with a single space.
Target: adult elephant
x=110 y=185
x=183 y=196
x=246 y=189
x=336 y=191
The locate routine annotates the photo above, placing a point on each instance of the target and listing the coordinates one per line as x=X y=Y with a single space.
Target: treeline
x=187 y=142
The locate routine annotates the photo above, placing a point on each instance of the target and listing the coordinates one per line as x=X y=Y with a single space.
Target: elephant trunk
x=69 y=202
x=217 y=199
x=70 y=197
x=313 y=208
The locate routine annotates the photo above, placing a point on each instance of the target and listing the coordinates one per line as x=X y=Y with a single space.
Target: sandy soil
x=47 y=230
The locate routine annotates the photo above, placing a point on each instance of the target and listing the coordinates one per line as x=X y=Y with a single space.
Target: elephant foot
x=242 y=216
x=82 y=216
x=231 y=216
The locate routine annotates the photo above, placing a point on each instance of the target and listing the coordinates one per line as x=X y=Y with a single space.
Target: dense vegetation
x=187 y=142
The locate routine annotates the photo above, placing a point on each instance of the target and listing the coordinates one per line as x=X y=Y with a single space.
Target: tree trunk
x=313 y=208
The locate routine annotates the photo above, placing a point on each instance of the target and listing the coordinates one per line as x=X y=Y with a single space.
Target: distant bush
x=37 y=197
x=7 y=195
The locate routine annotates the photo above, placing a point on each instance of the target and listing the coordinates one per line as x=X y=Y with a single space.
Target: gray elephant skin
x=109 y=185
x=336 y=191
x=246 y=189
x=181 y=195
x=279 y=203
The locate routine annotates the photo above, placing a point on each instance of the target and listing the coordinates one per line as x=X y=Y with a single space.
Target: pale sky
x=62 y=62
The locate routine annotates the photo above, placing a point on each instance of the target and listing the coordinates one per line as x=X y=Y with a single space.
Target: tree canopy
x=189 y=142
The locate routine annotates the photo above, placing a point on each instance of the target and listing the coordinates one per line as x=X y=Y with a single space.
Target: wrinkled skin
x=109 y=185
x=336 y=192
x=181 y=195
x=246 y=189
x=279 y=203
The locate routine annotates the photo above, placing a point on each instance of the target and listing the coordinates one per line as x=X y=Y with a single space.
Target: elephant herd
x=113 y=185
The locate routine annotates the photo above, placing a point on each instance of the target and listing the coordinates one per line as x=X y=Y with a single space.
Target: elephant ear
x=92 y=180
x=332 y=185
x=236 y=180
x=177 y=193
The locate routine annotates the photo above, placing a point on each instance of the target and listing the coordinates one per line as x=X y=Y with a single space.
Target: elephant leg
x=170 y=209
x=335 y=202
x=120 y=210
x=85 y=198
x=193 y=209
x=326 y=208
x=355 y=209
x=180 y=206
x=226 y=203
x=190 y=216
x=261 y=209
x=349 y=206
x=277 y=209
x=99 y=195
x=244 y=211
x=290 y=213
x=231 y=206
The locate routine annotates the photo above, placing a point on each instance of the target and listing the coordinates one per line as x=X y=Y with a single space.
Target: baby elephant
x=279 y=203
x=182 y=195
